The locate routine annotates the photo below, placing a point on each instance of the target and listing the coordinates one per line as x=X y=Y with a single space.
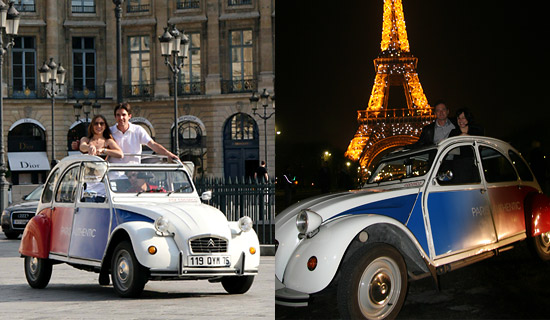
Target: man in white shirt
x=130 y=137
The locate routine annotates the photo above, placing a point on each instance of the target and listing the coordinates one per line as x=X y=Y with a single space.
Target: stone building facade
x=231 y=56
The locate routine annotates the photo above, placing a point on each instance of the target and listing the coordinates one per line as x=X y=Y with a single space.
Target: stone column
x=213 y=75
x=265 y=45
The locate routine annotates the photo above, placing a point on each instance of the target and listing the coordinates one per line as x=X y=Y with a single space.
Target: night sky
x=488 y=56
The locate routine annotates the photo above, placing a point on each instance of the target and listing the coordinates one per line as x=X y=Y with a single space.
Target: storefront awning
x=28 y=161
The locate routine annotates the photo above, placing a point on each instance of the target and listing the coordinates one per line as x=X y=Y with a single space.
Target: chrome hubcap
x=379 y=288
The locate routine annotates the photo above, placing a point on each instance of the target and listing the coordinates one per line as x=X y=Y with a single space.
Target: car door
x=63 y=211
x=92 y=218
x=505 y=192
x=457 y=205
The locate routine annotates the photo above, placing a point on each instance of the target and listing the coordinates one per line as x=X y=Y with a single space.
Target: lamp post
x=9 y=22
x=176 y=45
x=87 y=107
x=118 y=14
x=52 y=77
x=264 y=100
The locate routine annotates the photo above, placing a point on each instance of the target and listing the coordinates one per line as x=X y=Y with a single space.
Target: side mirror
x=207 y=195
x=445 y=176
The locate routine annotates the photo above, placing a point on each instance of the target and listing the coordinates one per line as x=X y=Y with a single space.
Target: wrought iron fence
x=244 y=197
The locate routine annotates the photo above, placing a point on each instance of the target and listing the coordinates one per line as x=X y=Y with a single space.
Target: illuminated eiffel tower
x=380 y=127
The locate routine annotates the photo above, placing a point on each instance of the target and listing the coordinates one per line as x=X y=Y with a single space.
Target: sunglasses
x=99 y=123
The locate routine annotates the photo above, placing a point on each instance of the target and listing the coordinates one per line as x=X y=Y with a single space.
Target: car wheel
x=128 y=275
x=374 y=285
x=237 y=285
x=541 y=246
x=38 y=272
x=12 y=235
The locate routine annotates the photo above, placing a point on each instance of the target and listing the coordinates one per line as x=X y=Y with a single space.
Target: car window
x=496 y=167
x=67 y=186
x=521 y=166
x=459 y=166
x=49 y=186
x=93 y=185
x=407 y=166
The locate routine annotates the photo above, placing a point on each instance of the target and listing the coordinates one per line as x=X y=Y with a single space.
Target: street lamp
x=52 y=77
x=87 y=107
x=118 y=14
x=9 y=22
x=174 y=44
x=264 y=100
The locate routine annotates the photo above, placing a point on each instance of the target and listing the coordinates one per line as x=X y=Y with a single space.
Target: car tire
x=12 y=235
x=382 y=268
x=128 y=275
x=237 y=285
x=541 y=246
x=38 y=272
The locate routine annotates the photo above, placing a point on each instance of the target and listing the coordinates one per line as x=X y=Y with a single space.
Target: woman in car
x=466 y=126
x=99 y=141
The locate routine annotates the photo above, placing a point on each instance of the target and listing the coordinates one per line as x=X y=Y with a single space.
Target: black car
x=15 y=218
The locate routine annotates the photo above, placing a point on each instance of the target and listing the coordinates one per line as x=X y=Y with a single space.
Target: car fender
x=537 y=214
x=142 y=235
x=36 y=237
x=242 y=242
x=329 y=245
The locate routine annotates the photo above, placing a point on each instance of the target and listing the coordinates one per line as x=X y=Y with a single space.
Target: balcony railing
x=189 y=88
x=83 y=93
x=138 y=91
x=83 y=9
x=24 y=7
x=188 y=4
x=238 y=2
x=132 y=8
x=237 y=86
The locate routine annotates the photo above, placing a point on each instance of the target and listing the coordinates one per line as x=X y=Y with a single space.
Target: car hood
x=190 y=218
x=394 y=202
x=24 y=206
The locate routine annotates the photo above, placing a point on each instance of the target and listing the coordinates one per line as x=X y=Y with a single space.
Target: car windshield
x=150 y=181
x=35 y=194
x=406 y=166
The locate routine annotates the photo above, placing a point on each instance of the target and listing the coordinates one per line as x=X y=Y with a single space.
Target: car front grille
x=208 y=245
x=20 y=219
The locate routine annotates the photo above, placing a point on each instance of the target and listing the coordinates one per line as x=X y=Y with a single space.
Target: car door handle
x=483 y=190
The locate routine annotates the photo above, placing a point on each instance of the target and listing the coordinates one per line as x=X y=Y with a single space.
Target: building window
x=242 y=61
x=83 y=6
x=242 y=127
x=24 y=67
x=24 y=5
x=84 y=66
x=238 y=2
x=190 y=79
x=188 y=4
x=140 y=67
x=138 y=6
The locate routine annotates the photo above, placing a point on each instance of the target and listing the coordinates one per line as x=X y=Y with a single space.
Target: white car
x=137 y=223
x=422 y=213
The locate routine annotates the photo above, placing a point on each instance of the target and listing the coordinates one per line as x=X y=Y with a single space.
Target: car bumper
x=288 y=297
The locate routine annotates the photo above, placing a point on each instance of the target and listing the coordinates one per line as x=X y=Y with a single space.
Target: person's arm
x=112 y=150
x=158 y=148
x=85 y=147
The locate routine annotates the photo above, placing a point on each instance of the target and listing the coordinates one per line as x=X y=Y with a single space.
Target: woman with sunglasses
x=99 y=141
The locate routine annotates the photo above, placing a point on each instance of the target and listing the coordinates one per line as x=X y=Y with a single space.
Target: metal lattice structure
x=381 y=127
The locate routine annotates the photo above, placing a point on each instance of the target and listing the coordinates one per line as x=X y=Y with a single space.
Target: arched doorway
x=192 y=142
x=145 y=124
x=241 y=146
x=27 y=158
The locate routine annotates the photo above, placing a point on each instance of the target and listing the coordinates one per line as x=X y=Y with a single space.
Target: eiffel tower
x=381 y=127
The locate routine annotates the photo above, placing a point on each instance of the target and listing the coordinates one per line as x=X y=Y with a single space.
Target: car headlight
x=162 y=225
x=245 y=224
x=307 y=221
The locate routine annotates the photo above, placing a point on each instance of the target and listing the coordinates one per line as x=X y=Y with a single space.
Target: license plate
x=20 y=221
x=208 y=261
